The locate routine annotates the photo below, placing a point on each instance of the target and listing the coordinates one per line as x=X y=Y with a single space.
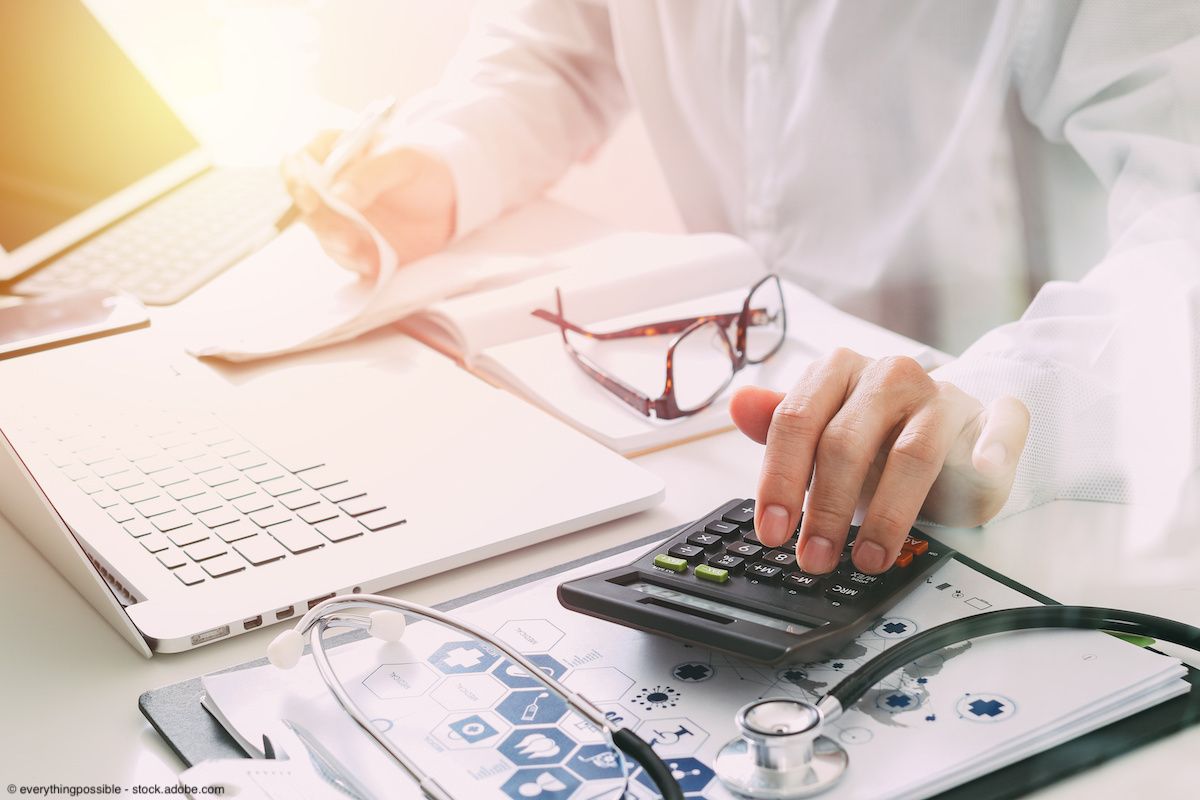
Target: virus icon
x=657 y=697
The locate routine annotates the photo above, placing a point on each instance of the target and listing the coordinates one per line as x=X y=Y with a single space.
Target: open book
x=627 y=279
x=474 y=302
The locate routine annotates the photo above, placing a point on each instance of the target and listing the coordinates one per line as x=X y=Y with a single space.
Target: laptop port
x=209 y=635
x=316 y=600
x=284 y=613
x=252 y=623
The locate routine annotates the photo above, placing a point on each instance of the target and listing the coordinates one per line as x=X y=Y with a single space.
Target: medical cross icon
x=462 y=657
x=986 y=708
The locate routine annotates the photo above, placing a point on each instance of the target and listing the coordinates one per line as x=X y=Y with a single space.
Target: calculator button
x=743 y=550
x=801 y=582
x=904 y=558
x=706 y=540
x=750 y=537
x=740 y=514
x=918 y=547
x=670 y=563
x=714 y=574
x=780 y=558
x=860 y=580
x=732 y=564
x=722 y=528
x=688 y=552
x=843 y=592
x=763 y=573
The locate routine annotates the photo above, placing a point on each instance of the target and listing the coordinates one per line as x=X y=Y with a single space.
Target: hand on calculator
x=880 y=430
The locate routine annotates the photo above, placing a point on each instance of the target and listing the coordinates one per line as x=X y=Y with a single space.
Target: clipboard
x=194 y=735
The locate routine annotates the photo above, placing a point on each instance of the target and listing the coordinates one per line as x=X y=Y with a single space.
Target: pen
x=352 y=142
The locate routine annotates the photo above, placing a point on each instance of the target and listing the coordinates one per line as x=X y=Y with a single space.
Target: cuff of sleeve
x=477 y=191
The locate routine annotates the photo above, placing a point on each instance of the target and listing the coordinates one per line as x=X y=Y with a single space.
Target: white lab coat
x=852 y=143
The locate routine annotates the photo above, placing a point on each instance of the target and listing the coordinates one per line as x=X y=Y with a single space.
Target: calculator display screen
x=716 y=607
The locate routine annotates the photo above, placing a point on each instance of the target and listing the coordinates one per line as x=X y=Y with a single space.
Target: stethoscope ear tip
x=285 y=650
x=387 y=625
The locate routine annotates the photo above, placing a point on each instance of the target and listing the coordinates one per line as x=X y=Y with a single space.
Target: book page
x=610 y=276
x=485 y=729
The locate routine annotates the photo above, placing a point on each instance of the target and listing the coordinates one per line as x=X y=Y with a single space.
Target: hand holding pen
x=408 y=195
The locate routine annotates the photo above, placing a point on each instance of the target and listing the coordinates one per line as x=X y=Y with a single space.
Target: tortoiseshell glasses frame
x=666 y=406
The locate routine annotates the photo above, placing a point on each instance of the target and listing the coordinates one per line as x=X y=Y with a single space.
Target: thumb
x=1001 y=439
x=364 y=180
x=751 y=408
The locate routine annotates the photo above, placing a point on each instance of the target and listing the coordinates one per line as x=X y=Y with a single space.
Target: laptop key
x=140 y=493
x=188 y=488
x=255 y=502
x=260 y=549
x=124 y=480
x=301 y=499
x=270 y=516
x=172 y=559
x=202 y=464
x=77 y=471
x=171 y=476
x=122 y=512
x=281 y=486
x=378 y=520
x=106 y=499
x=171 y=520
x=138 y=528
x=206 y=549
x=339 y=529
x=318 y=513
x=205 y=502
x=154 y=506
x=320 y=477
x=189 y=575
x=90 y=485
x=242 y=529
x=155 y=464
x=264 y=472
x=362 y=505
x=342 y=492
x=239 y=488
x=218 y=517
x=222 y=565
x=219 y=476
x=295 y=536
x=244 y=461
x=155 y=542
x=110 y=466
x=188 y=534
x=231 y=448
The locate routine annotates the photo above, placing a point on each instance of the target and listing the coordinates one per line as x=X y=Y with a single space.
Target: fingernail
x=818 y=555
x=774 y=526
x=994 y=455
x=869 y=556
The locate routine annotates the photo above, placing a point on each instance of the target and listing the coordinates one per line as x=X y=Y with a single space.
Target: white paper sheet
x=457 y=707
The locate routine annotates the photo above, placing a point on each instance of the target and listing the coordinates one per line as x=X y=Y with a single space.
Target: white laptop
x=101 y=184
x=189 y=505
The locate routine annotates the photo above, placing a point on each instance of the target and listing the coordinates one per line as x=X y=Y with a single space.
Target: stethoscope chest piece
x=780 y=753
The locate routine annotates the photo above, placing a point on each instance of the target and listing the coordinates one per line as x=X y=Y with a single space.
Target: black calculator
x=715 y=584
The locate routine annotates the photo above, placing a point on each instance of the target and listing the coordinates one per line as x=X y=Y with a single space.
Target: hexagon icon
x=673 y=736
x=693 y=775
x=530 y=747
x=468 y=692
x=471 y=729
x=546 y=784
x=580 y=729
x=599 y=683
x=596 y=762
x=456 y=658
x=532 y=707
x=514 y=675
x=392 y=681
x=529 y=635
x=619 y=715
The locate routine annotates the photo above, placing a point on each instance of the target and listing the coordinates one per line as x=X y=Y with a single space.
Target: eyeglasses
x=701 y=360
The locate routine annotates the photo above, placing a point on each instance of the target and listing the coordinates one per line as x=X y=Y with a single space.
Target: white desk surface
x=70 y=684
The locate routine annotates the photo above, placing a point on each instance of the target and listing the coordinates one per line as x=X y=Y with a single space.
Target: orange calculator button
x=904 y=559
x=918 y=547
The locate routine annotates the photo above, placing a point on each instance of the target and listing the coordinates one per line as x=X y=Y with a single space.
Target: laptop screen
x=78 y=122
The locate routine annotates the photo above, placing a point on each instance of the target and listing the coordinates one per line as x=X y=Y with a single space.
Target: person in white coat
x=828 y=133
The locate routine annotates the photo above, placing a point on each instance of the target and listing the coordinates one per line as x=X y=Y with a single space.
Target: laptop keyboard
x=164 y=251
x=206 y=503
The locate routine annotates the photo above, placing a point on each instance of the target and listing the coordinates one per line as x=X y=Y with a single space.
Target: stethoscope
x=779 y=753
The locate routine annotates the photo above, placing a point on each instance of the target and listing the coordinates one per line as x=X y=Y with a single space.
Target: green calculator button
x=671 y=562
x=714 y=574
